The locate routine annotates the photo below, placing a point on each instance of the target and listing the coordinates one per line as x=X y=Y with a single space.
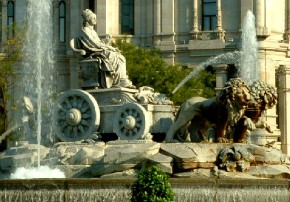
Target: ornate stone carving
x=263 y=96
x=131 y=122
x=235 y=159
x=78 y=115
x=198 y=114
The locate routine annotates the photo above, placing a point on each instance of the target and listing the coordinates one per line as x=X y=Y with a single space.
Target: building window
x=10 y=18
x=127 y=16
x=209 y=18
x=62 y=18
x=92 y=5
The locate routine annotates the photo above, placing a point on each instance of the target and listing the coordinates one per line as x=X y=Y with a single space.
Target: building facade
x=188 y=32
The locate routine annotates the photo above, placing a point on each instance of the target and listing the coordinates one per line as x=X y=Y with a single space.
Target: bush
x=152 y=185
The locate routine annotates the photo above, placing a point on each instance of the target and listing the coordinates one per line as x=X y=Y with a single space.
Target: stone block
x=120 y=157
x=164 y=162
x=9 y=163
x=270 y=171
x=131 y=173
x=191 y=155
x=86 y=156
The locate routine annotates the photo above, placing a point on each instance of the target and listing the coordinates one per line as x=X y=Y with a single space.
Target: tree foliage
x=146 y=68
x=11 y=50
x=152 y=185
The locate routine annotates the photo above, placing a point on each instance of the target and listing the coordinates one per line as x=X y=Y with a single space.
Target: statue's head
x=87 y=16
x=264 y=95
x=235 y=93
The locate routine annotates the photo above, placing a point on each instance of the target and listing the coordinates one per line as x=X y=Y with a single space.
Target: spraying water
x=38 y=80
x=39 y=172
x=247 y=58
x=249 y=69
x=39 y=62
x=227 y=58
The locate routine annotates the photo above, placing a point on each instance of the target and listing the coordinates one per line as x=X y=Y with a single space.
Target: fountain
x=104 y=171
x=38 y=83
x=245 y=58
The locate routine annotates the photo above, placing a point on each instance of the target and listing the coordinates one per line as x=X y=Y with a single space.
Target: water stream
x=249 y=68
x=38 y=79
x=246 y=59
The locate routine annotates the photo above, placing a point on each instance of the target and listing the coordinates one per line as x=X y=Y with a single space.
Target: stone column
x=167 y=44
x=4 y=20
x=283 y=110
x=167 y=21
x=288 y=21
x=74 y=17
x=221 y=32
x=102 y=20
x=262 y=30
x=143 y=24
x=74 y=68
x=260 y=19
x=194 y=32
x=221 y=76
x=157 y=21
x=75 y=22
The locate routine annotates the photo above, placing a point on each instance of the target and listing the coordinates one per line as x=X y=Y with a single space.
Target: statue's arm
x=74 y=47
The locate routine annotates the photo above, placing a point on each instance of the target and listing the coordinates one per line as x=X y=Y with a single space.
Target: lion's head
x=264 y=95
x=235 y=94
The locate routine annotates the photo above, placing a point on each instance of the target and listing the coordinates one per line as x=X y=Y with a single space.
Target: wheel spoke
x=84 y=108
x=80 y=103
x=86 y=115
x=135 y=114
x=75 y=132
x=69 y=130
x=81 y=128
x=68 y=105
x=84 y=122
x=74 y=101
x=62 y=109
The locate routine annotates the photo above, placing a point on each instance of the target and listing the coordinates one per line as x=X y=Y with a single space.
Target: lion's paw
x=249 y=124
x=244 y=141
x=222 y=140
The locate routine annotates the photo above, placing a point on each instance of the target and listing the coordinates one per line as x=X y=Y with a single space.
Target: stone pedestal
x=221 y=76
x=284 y=97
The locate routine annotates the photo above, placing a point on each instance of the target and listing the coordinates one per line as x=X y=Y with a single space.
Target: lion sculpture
x=200 y=114
x=263 y=96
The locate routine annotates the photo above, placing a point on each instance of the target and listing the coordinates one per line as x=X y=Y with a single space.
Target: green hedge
x=152 y=185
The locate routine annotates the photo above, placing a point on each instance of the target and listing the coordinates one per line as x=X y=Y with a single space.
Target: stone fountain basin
x=100 y=171
x=185 y=189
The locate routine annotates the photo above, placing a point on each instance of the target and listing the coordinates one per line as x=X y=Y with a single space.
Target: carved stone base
x=113 y=96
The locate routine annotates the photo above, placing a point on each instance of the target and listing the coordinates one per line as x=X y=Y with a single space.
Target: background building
x=188 y=32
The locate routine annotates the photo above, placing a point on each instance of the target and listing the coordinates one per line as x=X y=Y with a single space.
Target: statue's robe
x=111 y=60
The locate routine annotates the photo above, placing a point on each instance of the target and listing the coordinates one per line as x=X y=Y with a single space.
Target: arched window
x=10 y=18
x=62 y=21
x=127 y=16
x=209 y=19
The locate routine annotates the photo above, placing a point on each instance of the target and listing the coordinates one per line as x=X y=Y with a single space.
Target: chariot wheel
x=130 y=122
x=78 y=115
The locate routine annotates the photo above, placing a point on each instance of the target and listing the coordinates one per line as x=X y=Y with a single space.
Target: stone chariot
x=99 y=108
